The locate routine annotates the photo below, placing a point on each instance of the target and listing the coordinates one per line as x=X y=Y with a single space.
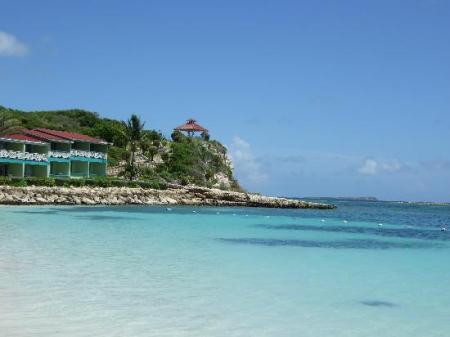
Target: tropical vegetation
x=136 y=153
x=8 y=124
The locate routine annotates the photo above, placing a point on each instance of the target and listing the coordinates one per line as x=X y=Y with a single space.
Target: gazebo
x=191 y=127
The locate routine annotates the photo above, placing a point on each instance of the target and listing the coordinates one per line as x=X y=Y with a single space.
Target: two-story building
x=51 y=153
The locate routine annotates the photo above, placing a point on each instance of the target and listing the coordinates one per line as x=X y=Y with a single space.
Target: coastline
x=174 y=195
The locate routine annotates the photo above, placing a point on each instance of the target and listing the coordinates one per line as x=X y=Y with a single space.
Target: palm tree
x=150 y=144
x=8 y=124
x=133 y=130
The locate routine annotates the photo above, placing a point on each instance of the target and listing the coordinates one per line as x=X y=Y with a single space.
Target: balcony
x=42 y=157
x=19 y=155
x=59 y=154
x=88 y=154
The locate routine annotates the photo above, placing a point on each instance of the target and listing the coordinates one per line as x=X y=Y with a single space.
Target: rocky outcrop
x=174 y=195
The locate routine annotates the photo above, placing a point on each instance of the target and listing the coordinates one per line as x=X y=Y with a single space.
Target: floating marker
x=443 y=229
x=323 y=220
x=345 y=221
x=380 y=224
x=168 y=209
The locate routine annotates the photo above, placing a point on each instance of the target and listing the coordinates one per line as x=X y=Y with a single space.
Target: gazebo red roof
x=191 y=126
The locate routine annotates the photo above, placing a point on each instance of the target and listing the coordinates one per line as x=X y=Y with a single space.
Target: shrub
x=119 y=183
x=37 y=181
x=115 y=155
x=154 y=182
x=5 y=180
x=18 y=182
x=98 y=182
x=177 y=136
x=76 y=182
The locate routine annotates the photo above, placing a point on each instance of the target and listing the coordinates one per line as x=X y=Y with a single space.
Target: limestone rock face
x=222 y=181
x=174 y=195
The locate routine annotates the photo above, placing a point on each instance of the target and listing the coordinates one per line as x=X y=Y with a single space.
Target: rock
x=175 y=194
x=87 y=201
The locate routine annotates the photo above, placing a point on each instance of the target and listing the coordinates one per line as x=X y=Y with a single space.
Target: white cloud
x=246 y=165
x=11 y=46
x=373 y=167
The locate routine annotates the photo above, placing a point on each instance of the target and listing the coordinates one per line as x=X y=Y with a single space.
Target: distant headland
x=77 y=157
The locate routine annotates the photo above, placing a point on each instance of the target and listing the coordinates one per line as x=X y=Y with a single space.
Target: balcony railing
x=19 y=155
x=59 y=154
x=88 y=154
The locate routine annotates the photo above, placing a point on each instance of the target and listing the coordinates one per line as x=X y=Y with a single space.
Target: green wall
x=97 y=169
x=15 y=170
x=36 y=171
x=79 y=168
x=59 y=168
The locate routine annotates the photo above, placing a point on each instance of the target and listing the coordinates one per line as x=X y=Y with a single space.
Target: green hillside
x=180 y=159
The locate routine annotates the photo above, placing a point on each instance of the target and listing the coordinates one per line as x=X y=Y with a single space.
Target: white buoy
x=267 y=216
x=323 y=220
x=194 y=211
x=246 y=214
x=443 y=229
x=168 y=209
x=345 y=221
x=380 y=224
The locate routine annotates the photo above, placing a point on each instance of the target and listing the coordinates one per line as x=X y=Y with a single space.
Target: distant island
x=343 y=198
x=374 y=199
x=424 y=203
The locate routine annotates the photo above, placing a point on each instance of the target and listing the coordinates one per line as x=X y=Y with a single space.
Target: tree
x=133 y=130
x=177 y=136
x=8 y=124
x=205 y=135
x=151 y=144
x=152 y=152
x=110 y=130
x=149 y=148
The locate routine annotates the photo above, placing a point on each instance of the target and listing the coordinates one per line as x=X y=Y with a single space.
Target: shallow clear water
x=148 y=271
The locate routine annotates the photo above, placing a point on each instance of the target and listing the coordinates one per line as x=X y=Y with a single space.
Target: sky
x=312 y=98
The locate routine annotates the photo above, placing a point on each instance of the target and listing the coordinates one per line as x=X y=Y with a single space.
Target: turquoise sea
x=366 y=269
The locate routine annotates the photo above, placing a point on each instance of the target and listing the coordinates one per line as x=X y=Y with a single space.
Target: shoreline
x=175 y=195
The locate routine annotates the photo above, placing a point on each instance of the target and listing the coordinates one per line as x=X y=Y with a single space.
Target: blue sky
x=313 y=98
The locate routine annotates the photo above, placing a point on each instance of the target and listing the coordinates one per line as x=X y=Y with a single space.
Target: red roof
x=190 y=126
x=23 y=138
x=72 y=136
x=45 y=136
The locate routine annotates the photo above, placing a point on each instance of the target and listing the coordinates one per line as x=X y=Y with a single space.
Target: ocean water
x=150 y=271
